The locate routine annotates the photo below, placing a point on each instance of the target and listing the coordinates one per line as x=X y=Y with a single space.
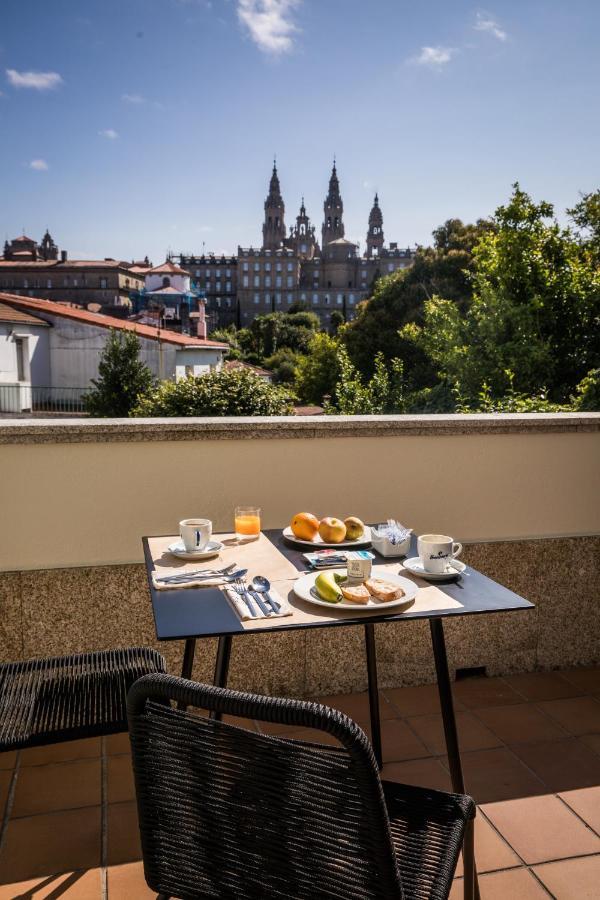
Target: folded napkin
x=239 y=604
x=217 y=581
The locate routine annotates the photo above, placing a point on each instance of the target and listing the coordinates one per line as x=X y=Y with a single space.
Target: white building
x=51 y=347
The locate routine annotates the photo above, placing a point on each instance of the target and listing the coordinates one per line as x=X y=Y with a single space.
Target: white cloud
x=133 y=98
x=485 y=22
x=269 y=23
x=40 y=165
x=40 y=81
x=109 y=133
x=435 y=57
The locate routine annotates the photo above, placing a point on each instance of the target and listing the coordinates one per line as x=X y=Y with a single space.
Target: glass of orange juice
x=247 y=522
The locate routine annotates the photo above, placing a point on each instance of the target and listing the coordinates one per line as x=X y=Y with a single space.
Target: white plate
x=213 y=548
x=305 y=589
x=415 y=567
x=320 y=544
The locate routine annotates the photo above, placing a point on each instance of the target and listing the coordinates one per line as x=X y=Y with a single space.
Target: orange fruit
x=305 y=526
x=332 y=531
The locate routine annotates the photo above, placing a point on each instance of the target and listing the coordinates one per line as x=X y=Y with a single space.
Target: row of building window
x=67 y=282
x=267 y=267
x=208 y=273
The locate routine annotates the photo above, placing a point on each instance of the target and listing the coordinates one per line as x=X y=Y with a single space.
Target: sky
x=134 y=127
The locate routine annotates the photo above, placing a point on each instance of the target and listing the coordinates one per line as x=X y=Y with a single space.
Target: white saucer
x=211 y=549
x=415 y=567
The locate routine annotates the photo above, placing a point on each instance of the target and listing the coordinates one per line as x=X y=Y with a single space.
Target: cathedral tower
x=375 y=232
x=333 y=225
x=302 y=237
x=274 y=226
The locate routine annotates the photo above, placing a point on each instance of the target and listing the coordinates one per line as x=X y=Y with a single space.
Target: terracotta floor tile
x=123 y=834
x=541 y=829
x=572 y=879
x=518 y=884
x=120 y=783
x=586 y=679
x=427 y=772
x=82 y=885
x=54 y=842
x=357 y=705
x=521 y=723
x=542 y=686
x=562 y=765
x=592 y=741
x=68 y=750
x=127 y=882
x=421 y=700
x=491 y=851
x=5 y=780
x=586 y=803
x=59 y=786
x=399 y=742
x=579 y=715
x=475 y=693
x=472 y=734
x=276 y=728
x=117 y=743
x=248 y=724
x=8 y=760
x=311 y=735
x=498 y=775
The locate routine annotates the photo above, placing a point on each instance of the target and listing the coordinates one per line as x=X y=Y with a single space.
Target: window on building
x=315 y=299
x=351 y=298
x=340 y=299
x=217 y=273
x=227 y=286
x=245 y=281
x=277 y=298
x=227 y=273
x=245 y=266
x=197 y=273
x=290 y=267
x=257 y=281
x=218 y=286
x=267 y=267
x=290 y=298
x=390 y=267
x=104 y=283
x=208 y=273
x=326 y=299
x=278 y=266
x=25 y=282
x=278 y=281
x=22 y=348
x=66 y=281
x=303 y=296
x=257 y=267
x=49 y=284
x=257 y=298
x=267 y=281
x=267 y=299
x=290 y=281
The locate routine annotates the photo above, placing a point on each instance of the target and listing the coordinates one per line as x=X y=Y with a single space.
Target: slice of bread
x=383 y=590
x=357 y=593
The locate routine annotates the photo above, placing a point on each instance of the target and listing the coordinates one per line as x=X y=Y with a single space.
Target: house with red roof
x=45 y=345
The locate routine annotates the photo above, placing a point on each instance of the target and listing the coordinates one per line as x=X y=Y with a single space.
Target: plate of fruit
x=333 y=588
x=305 y=530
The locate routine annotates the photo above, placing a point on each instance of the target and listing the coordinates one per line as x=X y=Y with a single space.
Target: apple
x=332 y=531
x=354 y=528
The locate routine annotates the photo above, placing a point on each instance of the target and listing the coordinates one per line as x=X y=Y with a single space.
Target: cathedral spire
x=274 y=224
x=375 y=230
x=333 y=208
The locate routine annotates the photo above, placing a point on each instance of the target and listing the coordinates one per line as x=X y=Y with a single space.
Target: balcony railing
x=26 y=398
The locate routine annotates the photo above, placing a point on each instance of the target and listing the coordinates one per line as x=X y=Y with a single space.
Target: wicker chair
x=47 y=701
x=228 y=813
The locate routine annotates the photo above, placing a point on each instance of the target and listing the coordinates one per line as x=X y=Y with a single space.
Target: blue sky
x=134 y=126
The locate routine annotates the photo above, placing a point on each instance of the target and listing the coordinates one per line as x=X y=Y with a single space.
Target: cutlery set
x=257 y=593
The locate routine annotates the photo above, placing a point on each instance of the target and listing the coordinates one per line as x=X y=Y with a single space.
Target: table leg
x=371 y=650
x=188 y=663
x=222 y=667
x=471 y=885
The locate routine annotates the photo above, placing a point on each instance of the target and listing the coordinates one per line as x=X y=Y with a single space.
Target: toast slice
x=382 y=590
x=357 y=593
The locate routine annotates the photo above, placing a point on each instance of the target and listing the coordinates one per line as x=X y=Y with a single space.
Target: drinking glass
x=247 y=522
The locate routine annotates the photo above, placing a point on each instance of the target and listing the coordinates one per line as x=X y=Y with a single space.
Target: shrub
x=123 y=377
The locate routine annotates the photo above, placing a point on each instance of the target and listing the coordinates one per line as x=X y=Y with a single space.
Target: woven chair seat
x=233 y=814
x=47 y=701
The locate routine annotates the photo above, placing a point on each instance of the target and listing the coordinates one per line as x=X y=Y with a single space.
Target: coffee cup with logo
x=195 y=534
x=436 y=550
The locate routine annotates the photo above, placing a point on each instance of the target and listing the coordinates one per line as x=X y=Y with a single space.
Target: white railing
x=26 y=398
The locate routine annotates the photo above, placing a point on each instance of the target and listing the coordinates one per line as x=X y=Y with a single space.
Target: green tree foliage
x=337 y=320
x=533 y=323
x=587 y=395
x=585 y=215
x=399 y=299
x=276 y=330
x=356 y=396
x=234 y=393
x=123 y=377
x=231 y=337
x=318 y=371
x=283 y=364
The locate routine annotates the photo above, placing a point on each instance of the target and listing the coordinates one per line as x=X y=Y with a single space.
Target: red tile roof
x=169 y=268
x=23 y=237
x=67 y=264
x=50 y=307
x=8 y=314
x=237 y=364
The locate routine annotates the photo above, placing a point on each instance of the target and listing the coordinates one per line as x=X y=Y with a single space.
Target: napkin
x=243 y=612
x=217 y=581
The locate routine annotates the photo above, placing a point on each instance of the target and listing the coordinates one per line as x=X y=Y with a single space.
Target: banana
x=326 y=586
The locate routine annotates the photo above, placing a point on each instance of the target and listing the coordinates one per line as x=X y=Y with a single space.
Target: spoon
x=262 y=585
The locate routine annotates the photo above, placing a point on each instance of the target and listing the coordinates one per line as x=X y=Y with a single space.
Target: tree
x=317 y=373
x=224 y=393
x=355 y=396
x=283 y=365
x=337 y=320
x=399 y=299
x=276 y=330
x=585 y=215
x=123 y=377
x=533 y=323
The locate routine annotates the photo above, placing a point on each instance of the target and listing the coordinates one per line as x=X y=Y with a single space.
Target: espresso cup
x=436 y=550
x=195 y=533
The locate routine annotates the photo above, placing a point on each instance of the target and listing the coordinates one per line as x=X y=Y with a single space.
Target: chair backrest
x=231 y=813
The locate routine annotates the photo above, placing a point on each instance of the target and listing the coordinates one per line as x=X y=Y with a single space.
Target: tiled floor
x=531 y=754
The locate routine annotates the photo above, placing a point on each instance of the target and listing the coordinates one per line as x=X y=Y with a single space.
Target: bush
x=123 y=377
x=587 y=398
x=283 y=365
x=236 y=393
x=318 y=372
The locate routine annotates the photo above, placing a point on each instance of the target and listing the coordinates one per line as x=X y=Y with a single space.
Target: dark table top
x=179 y=615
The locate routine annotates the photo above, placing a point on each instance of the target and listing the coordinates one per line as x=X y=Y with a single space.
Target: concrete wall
x=39 y=360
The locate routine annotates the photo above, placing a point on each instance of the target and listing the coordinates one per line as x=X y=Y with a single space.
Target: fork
x=241 y=589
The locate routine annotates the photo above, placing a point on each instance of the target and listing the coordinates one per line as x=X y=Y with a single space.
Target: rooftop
x=531 y=751
x=51 y=307
x=19 y=316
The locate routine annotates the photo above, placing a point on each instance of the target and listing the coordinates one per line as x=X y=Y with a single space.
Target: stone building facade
x=293 y=267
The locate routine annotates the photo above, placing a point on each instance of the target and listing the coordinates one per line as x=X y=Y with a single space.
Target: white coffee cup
x=195 y=533
x=436 y=551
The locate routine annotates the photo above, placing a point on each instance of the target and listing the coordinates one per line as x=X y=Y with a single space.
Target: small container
x=359 y=568
x=384 y=546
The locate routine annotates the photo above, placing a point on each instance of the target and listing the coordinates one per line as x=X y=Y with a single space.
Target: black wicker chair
x=229 y=813
x=46 y=701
